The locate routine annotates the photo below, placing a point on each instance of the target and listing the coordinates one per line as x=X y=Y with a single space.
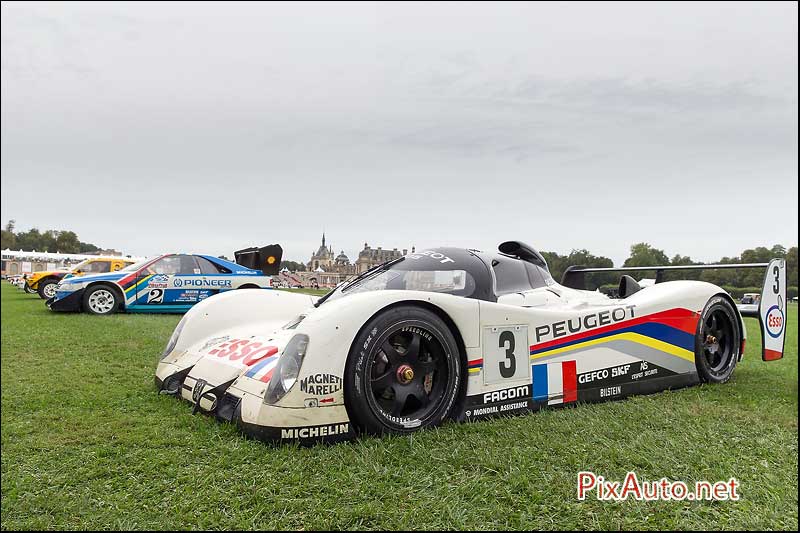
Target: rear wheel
x=101 y=300
x=718 y=341
x=47 y=288
x=403 y=372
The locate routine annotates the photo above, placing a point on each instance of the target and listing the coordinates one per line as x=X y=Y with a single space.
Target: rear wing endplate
x=267 y=259
x=771 y=311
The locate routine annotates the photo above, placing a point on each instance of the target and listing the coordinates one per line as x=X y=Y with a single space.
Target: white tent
x=50 y=256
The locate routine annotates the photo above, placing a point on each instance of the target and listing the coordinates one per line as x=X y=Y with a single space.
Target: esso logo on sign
x=244 y=351
x=774 y=321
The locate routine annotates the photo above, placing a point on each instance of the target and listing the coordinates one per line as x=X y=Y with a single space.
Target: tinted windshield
x=81 y=265
x=457 y=282
x=427 y=271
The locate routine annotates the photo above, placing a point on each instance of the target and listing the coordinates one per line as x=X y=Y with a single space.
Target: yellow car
x=44 y=283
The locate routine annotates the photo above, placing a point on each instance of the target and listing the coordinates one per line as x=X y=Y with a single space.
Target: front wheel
x=47 y=289
x=101 y=300
x=27 y=288
x=403 y=373
x=718 y=341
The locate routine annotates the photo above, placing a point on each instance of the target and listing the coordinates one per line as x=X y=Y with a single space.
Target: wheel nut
x=405 y=374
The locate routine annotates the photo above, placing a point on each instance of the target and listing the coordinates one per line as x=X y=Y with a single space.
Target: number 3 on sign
x=505 y=354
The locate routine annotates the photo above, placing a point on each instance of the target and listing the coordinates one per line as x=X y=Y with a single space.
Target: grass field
x=87 y=443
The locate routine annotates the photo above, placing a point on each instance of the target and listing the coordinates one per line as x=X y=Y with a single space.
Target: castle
x=327 y=269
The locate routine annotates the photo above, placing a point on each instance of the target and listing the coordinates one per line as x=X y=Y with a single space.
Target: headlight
x=288 y=368
x=173 y=340
x=69 y=286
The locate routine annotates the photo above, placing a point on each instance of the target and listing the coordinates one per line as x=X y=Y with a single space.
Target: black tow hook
x=215 y=393
x=172 y=384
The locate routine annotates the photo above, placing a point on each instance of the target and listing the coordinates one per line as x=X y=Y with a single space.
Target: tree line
x=293 y=266
x=736 y=281
x=65 y=242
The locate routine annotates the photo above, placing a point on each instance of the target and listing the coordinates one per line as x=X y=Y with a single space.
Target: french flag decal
x=262 y=370
x=555 y=383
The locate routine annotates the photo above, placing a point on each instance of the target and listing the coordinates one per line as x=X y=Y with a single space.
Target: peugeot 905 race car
x=170 y=283
x=44 y=282
x=452 y=334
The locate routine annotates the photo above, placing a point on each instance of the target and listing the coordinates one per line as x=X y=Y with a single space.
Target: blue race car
x=171 y=283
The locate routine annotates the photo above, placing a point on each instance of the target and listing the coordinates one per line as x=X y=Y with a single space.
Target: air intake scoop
x=523 y=252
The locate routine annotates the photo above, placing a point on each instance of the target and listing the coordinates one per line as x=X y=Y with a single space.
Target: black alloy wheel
x=718 y=341
x=404 y=372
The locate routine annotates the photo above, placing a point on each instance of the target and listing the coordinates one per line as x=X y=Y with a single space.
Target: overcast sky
x=208 y=127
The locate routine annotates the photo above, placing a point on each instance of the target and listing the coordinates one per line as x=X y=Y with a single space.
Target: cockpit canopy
x=457 y=271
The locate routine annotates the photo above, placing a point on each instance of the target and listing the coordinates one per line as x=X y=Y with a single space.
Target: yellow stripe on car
x=628 y=336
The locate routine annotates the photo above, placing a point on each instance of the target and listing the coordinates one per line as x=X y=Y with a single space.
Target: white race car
x=749 y=303
x=452 y=334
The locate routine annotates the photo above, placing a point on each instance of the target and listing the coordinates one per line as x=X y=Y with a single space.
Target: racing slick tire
x=718 y=341
x=47 y=288
x=27 y=288
x=101 y=300
x=403 y=373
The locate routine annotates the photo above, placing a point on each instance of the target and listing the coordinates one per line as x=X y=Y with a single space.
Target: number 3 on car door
x=505 y=354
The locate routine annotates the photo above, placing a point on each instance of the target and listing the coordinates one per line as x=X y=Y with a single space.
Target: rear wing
x=771 y=312
x=267 y=259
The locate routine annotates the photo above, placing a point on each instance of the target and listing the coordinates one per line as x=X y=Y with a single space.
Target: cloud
x=588 y=126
